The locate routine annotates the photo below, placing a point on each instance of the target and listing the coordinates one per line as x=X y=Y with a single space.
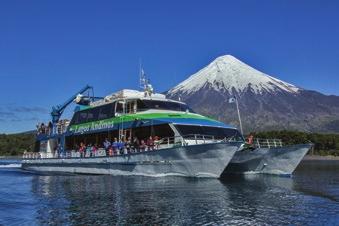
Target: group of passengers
x=116 y=147
x=47 y=128
x=43 y=128
x=129 y=145
x=90 y=149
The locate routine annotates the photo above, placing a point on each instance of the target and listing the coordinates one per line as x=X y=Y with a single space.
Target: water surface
x=310 y=197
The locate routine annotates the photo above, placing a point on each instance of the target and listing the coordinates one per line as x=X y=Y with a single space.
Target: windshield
x=216 y=132
x=162 y=105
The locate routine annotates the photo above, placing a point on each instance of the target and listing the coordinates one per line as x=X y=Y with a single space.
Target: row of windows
x=93 y=114
x=109 y=110
x=218 y=133
x=163 y=105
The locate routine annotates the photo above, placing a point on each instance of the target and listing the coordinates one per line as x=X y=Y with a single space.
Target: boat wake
x=11 y=165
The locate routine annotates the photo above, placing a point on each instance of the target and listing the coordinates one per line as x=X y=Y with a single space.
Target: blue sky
x=51 y=49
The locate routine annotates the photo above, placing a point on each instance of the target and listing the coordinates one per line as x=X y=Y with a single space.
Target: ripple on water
x=93 y=200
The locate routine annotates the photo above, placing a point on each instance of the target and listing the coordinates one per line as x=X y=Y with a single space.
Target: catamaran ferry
x=133 y=133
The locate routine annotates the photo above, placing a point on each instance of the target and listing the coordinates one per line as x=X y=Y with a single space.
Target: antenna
x=145 y=82
x=142 y=77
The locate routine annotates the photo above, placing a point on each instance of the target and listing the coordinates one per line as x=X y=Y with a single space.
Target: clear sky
x=50 y=49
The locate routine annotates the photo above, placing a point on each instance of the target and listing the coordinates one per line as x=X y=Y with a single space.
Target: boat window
x=119 y=108
x=75 y=118
x=82 y=116
x=161 y=131
x=186 y=130
x=217 y=132
x=141 y=105
x=162 y=105
x=93 y=114
x=106 y=111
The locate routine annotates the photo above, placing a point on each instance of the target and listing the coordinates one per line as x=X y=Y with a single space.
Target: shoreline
x=320 y=158
x=10 y=157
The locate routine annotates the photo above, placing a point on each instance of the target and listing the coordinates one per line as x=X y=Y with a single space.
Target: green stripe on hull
x=109 y=123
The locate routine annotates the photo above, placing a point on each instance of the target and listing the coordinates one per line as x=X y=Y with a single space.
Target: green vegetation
x=16 y=144
x=324 y=144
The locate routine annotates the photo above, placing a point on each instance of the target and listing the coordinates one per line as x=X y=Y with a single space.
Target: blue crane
x=59 y=109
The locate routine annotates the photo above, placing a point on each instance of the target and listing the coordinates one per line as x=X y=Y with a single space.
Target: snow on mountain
x=226 y=73
x=266 y=103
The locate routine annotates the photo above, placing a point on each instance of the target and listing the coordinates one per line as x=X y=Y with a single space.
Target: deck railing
x=166 y=142
x=267 y=143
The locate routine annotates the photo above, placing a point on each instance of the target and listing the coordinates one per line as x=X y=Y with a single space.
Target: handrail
x=267 y=143
x=166 y=142
x=190 y=139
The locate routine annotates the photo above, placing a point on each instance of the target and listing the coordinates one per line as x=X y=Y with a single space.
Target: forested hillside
x=16 y=144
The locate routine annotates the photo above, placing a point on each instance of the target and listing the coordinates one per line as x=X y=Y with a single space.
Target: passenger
x=42 y=128
x=124 y=146
x=136 y=144
x=129 y=145
x=82 y=149
x=150 y=143
x=115 y=146
x=121 y=147
x=142 y=146
x=107 y=145
x=110 y=151
x=156 y=142
x=250 y=139
x=94 y=151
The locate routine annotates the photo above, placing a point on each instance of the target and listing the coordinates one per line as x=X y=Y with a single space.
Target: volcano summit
x=266 y=103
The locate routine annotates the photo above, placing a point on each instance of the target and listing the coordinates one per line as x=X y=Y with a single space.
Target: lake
x=309 y=197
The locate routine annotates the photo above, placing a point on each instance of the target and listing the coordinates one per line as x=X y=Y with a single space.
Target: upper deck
x=131 y=109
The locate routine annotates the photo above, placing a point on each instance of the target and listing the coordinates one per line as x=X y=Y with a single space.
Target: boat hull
x=205 y=160
x=279 y=161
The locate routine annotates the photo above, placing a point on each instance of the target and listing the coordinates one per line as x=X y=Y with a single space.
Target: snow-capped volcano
x=227 y=73
x=265 y=102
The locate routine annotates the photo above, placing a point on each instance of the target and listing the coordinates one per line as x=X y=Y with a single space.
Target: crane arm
x=59 y=109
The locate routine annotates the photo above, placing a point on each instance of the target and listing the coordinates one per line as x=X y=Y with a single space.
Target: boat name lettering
x=93 y=126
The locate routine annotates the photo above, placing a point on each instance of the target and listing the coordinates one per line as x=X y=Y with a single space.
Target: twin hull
x=205 y=160
x=280 y=161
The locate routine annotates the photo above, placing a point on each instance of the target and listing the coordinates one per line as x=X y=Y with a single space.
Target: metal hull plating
x=279 y=161
x=205 y=160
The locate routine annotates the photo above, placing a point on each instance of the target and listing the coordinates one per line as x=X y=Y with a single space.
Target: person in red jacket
x=250 y=139
x=150 y=143
x=82 y=150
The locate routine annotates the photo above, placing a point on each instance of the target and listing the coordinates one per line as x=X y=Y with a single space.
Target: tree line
x=16 y=144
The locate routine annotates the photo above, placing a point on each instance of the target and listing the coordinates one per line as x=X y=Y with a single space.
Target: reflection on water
x=318 y=178
x=309 y=197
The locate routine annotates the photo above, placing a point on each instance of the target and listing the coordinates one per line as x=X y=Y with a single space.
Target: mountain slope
x=265 y=102
x=227 y=72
